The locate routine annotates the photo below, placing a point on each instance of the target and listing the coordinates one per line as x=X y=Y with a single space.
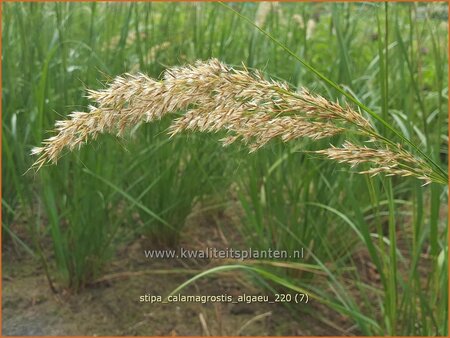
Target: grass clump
x=170 y=186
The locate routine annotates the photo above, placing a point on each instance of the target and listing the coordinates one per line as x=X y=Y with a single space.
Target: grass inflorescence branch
x=215 y=97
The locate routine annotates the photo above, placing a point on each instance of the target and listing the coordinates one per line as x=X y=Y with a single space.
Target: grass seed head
x=216 y=97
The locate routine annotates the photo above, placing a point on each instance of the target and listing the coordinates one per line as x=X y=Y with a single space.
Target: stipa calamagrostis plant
x=247 y=106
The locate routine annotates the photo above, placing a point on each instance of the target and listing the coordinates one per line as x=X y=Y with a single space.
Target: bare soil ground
x=112 y=307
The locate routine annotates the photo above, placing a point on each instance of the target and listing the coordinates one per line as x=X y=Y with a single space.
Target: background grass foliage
x=392 y=57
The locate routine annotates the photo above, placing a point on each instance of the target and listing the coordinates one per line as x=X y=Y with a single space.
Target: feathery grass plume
x=382 y=160
x=262 y=12
x=299 y=20
x=310 y=28
x=256 y=128
x=151 y=56
x=247 y=106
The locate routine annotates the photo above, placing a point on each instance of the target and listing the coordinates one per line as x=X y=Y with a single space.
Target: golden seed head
x=216 y=97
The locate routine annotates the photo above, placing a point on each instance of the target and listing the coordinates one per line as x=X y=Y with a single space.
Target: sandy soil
x=112 y=307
